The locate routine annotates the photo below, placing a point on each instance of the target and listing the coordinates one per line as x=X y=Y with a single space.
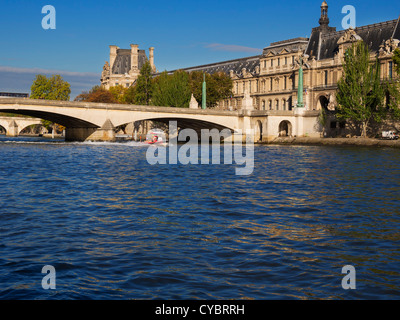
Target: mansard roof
x=122 y=62
x=250 y=64
x=324 y=45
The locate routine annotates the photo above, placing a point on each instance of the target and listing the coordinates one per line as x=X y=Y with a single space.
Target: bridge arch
x=82 y=119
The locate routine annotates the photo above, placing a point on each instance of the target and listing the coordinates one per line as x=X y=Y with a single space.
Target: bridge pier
x=12 y=130
x=78 y=134
x=105 y=133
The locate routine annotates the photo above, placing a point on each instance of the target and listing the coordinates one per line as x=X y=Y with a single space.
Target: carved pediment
x=270 y=54
x=349 y=36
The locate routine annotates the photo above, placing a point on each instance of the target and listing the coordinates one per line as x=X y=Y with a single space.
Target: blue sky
x=184 y=33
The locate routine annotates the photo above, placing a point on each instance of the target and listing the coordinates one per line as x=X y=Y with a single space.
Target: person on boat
x=155 y=139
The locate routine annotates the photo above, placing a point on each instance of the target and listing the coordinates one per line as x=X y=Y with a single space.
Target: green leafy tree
x=172 y=90
x=142 y=92
x=393 y=87
x=396 y=60
x=360 y=93
x=219 y=87
x=53 y=88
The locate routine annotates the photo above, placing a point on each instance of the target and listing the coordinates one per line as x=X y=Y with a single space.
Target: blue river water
x=115 y=227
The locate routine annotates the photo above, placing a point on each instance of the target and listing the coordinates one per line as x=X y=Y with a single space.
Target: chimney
x=113 y=55
x=151 y=58
x=134 y=57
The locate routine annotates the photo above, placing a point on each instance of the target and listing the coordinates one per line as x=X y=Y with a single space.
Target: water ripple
x=115 y=227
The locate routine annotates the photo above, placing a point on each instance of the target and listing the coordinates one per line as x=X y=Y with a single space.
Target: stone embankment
x=337 y=142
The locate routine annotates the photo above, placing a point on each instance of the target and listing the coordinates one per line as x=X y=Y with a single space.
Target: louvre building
x=271 y=78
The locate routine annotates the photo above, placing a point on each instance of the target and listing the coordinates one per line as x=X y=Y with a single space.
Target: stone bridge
x=96 y=121
x=14 y=125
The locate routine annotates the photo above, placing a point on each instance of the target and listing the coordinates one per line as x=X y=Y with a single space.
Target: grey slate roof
x=236 y=66
x=122 y=62
x=323 y=45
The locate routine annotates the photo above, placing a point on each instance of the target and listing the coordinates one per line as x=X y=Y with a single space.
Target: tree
x=396 y=60
x=143 y=90
x=219 y=87
x=101 y=95
x=172 y=90
x=97 y=94
x=393 y=87
x=53 y=88
x=360 y=92
x=118 y=93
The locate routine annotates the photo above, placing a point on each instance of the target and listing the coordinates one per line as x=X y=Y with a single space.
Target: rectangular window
x=250 y=86
x=279 y=62
x=390 y=69
x=326 y=78
x=270 y=85
x=285 y=83
x=265 y=64
x=272 y=63
x=292 y=59
x=285 y=61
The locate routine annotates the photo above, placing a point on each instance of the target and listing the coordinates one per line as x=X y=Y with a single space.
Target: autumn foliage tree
x=97 y=94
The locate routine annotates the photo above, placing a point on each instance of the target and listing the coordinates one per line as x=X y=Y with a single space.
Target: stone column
x=151 y=58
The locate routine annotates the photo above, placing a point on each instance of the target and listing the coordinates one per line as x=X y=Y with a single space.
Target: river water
x=115 y=227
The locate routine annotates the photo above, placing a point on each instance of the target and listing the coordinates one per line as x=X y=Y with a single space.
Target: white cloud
x=231 y=48
x=20 y=79
x=48 y=71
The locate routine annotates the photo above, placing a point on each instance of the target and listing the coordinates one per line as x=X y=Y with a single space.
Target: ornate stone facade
x=124 y=66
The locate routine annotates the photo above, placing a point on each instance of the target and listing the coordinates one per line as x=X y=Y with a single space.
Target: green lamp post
x=204 y=97
x=300 y=103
